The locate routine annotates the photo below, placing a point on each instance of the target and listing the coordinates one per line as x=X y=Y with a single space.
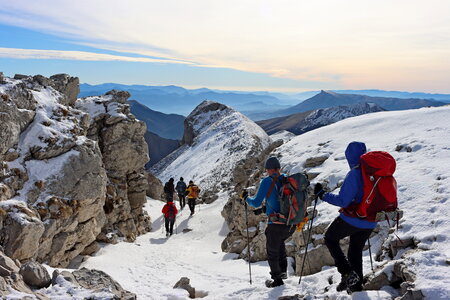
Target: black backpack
x=292 y=197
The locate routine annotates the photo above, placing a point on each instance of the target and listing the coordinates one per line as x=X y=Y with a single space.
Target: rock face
x=71 y=170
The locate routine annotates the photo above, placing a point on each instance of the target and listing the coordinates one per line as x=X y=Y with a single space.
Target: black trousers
x=182 y=198
x=169 y=225
x=358 y=237
x=276 y=235
x=191 y=203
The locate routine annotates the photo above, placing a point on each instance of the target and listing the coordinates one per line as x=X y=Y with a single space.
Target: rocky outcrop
x=31 y=280
x=120 y=137
x=71 y=170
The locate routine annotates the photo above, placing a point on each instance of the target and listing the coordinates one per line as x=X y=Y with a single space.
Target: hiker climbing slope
x=170 y=213
x=181 y=191
x=276 y=234
x=359 y=230
x=192 y=195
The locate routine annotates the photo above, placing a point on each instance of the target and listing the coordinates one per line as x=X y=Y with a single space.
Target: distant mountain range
x=327 y=99
x=174 y=99
x=305 y=121
x=255 y=105
x=380 y=93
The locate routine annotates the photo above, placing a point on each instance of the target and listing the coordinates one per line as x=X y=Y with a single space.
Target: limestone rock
x=35 y=275
x=315 y=161
x=316 y=258
x=7 y=265
x=184 y=283
x=155 y=188
x=68 y=86
x=21 y=231
x=71 y=171
x=98 y=280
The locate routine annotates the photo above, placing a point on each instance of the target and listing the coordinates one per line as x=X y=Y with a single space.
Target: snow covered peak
x=216 y=138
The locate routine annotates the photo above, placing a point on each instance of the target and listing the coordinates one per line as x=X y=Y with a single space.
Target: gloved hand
x=244 y=195
x=318 y=190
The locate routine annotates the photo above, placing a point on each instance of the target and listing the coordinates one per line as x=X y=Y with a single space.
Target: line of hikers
x=170 y=210
x=348 y=223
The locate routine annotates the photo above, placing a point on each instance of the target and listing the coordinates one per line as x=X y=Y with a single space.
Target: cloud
x=353 y=41
x=76 y=55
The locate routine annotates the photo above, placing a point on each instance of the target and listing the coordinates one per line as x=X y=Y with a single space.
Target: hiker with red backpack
x=368 y=188
x=276 y=233
x=170 y=212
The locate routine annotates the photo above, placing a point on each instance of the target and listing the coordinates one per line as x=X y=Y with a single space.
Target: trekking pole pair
x=308 y=240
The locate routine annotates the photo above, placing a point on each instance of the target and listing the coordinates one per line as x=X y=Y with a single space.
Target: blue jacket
x=273 y=205
x=352 y=189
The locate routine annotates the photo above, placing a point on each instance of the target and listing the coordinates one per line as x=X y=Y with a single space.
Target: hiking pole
x=370 y=254
x=248 y=241
x=307 y=242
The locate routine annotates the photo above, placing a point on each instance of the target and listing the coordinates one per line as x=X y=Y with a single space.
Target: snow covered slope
x=217 y=138
x=422 y=177
x=152 y=265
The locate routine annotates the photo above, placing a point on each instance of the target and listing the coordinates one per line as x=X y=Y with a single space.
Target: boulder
x=98 y=280
x=21 y=231
x=155 y=188
x=315 y=161
x=184 y=283
x=35 y=275
x=68 y=86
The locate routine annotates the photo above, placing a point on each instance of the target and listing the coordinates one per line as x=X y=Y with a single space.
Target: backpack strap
x=272 y=185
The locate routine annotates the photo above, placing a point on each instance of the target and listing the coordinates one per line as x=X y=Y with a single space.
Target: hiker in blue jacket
x=276 y=234
x=344 y=225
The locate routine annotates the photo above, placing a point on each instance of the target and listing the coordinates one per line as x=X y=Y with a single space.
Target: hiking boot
x=167 y=234
x=283 y=275
x=274 y=283
x=354 y=288
x=348 y=281
x=342 y=286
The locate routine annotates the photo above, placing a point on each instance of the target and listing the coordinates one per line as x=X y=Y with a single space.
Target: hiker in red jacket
x=170 y=212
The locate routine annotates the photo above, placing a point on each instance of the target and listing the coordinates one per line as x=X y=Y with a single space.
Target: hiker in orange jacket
x=170 y=212
x=193 y=192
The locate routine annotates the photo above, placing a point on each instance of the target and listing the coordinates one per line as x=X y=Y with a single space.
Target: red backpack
x=380 y=188
x=171 y=212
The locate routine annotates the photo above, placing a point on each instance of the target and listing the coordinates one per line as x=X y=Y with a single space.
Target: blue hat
x=272 y=163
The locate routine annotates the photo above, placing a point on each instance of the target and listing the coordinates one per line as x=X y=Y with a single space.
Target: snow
x=283 y=135
x=152 y=265
x=224 y=138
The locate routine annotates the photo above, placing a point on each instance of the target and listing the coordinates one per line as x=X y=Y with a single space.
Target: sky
x=274 y=45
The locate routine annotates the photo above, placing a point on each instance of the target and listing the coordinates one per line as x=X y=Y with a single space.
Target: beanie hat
x=272 y=163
